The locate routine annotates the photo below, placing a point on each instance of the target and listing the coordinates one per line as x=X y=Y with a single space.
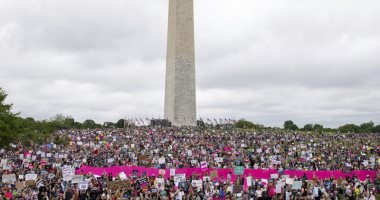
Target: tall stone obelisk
x=180 y=99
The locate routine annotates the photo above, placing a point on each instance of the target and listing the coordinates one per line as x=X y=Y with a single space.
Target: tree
x=308 y=127
x=349 y=128
x=318 y=127
x=108 y=125
x=7 y=120
x=376 y=129
x=120 y=123
x=247 y=124
x=289 y=125
x=89 y=123
x=367 y=127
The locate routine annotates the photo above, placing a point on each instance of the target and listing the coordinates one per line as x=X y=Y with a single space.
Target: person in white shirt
x=179 y=194
x=259 y=193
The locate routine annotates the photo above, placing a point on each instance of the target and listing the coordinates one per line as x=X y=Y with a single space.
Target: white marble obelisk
x=180 y=92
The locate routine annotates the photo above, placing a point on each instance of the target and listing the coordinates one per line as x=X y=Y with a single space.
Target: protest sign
x=77 y=178
x=9 y=178
x=239 y=170
x=197 y=183
x=20 y=185
x=249 y=181
x=214 y=174
x=115 y=185
x=83 y=186
x=67 y=172
x=31 y=177
x=179 y=178
x=161 y=161
x=278 y=188
x=274 y=176
x=160 y=183
x=289 y=181
x=30 y=183
x=296 y=185
x=203 y=165
x=3 y=162
x=172 y=172
x=143 y=182
x=161 y=172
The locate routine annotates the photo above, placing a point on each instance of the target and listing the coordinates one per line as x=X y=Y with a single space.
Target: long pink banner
x=222 y=173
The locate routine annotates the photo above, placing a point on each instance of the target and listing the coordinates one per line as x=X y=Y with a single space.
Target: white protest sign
x=77 y=179
x=83 y=186
x=179 y=178
x=172 y=172
x=31 y=177
x=25 y=161
x=197 y=183
x=296 y=185
x=274 y=176
x=289 y=181
x=160 y=183
x=203 y=164
x=249 y=181
x=9 y=178
x=278 y=188
x=67 y=173
x=161 y=161
x=3 y=162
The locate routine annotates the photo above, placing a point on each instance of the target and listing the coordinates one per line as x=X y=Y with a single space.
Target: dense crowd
x=170 y=148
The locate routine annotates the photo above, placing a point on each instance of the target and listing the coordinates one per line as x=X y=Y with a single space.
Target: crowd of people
x=36 y=171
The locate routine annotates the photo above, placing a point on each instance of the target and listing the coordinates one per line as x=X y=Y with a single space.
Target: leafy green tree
x=367 y=127
x=349 y=128
x=120 y=123
x=247 y=125
x=308 y=127
x=289 y=125
x=108 y=125
x=376 y=129
x=89 y=123
x=318 y=127
x=7 y=119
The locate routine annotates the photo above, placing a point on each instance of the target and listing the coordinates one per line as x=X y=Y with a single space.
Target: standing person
x=271 y=190
x=288 y=194
x=179 y=194
x=259 y=193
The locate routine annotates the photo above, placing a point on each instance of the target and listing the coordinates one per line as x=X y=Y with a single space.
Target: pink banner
x=223 y=173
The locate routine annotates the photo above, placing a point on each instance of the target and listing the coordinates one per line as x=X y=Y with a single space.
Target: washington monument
x=180 y=92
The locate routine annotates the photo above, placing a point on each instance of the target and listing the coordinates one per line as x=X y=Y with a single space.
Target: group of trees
x=369 y=127
x=14 y=128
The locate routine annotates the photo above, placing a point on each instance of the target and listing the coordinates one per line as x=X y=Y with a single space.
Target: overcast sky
x=314 y=61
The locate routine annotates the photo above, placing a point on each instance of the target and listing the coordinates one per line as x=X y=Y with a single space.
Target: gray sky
x=314 y=61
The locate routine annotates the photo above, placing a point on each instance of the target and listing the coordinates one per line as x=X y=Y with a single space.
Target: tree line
x=14 y=128
x=368 y=127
